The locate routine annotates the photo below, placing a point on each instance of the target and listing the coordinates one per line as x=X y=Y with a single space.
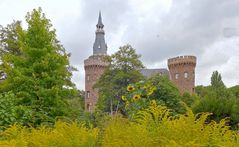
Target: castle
x=181 y=70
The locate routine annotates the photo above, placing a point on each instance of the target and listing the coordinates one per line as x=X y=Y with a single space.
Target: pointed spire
x=99 y=47
x=100 y=24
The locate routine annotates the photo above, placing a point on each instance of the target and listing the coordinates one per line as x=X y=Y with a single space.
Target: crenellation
x=182 y=72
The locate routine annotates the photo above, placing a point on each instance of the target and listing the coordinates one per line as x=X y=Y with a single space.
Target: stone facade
x=182 y=72
x=94 y=68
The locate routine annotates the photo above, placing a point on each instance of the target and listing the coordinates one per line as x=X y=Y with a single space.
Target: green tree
x=201 y=90
x=9 y=39
x=235 y=90
x=40 y=76
x=124 y=68
x=157 y=89
x=216 y=80
x=190 y=99
x=166 y=93
x=219 y=100
x=9 y=42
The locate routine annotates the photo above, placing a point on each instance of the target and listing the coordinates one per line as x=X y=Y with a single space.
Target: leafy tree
x=40 y=75
x=158 y=89
x=9 y=42
x=235 y=90
x=190 y=99
x=216 y=80
x=124 y=68
x=220 y=101
x=201 y=90
x=166 y=93
x=9 y=39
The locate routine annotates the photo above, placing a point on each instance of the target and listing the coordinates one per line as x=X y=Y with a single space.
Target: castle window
x=88 y=94
x=176 y=76
x=88 y=78
x=185 y=75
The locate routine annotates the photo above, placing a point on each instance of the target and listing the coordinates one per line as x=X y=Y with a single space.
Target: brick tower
x=94 y=66
x=182 y=72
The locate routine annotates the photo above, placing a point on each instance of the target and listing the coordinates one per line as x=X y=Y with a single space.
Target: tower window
x=176 y=76
x=99 y=46
x=88 y=94
x=185 y=75
x=88 y=77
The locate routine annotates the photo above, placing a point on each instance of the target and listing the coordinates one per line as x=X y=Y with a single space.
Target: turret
x=182 y=72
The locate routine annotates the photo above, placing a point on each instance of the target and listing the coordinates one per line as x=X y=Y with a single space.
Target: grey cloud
x=187 y=27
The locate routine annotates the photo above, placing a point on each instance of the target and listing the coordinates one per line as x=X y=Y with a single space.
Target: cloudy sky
x=157 y=29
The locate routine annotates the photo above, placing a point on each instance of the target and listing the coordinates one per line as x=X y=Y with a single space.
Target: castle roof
x=99 y=47
x=151 y=72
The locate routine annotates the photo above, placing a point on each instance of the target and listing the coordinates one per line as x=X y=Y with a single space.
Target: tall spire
x=100 y=24
x=100 y=47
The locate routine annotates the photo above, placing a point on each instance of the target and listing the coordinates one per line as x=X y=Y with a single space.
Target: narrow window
x=176 y=76
x=88 y=78
x=88 y=94
x=185 y=75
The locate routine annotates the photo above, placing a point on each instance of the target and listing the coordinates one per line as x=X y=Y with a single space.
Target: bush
x=8 y=110
x=155 y=126
x=157 y=88
x=62 y=135
x=152 y=126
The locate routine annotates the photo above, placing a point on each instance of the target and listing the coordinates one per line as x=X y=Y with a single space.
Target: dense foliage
x=153 y=126
x=157 y=88
x=218 y=100
x=37 y=70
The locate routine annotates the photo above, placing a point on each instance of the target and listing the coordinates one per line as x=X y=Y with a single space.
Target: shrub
x=62 y=135
x=152 y=126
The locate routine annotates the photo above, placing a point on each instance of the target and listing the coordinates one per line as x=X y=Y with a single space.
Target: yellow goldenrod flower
x=126 y=104
x=124 y=98
x=150 y=92
x=153 y=103
x=130 y=88
x=136 y=97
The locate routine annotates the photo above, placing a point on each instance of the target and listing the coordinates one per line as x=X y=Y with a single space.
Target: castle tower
x=94 y=66
x=182 y=72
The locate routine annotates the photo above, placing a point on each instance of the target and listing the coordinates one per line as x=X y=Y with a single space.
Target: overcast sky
x=157 y=29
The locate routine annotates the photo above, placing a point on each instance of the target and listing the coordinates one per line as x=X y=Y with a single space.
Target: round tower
x=182 y=72
x=94 y=68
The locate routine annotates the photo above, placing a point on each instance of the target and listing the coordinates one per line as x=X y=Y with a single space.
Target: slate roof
x=151 y=72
